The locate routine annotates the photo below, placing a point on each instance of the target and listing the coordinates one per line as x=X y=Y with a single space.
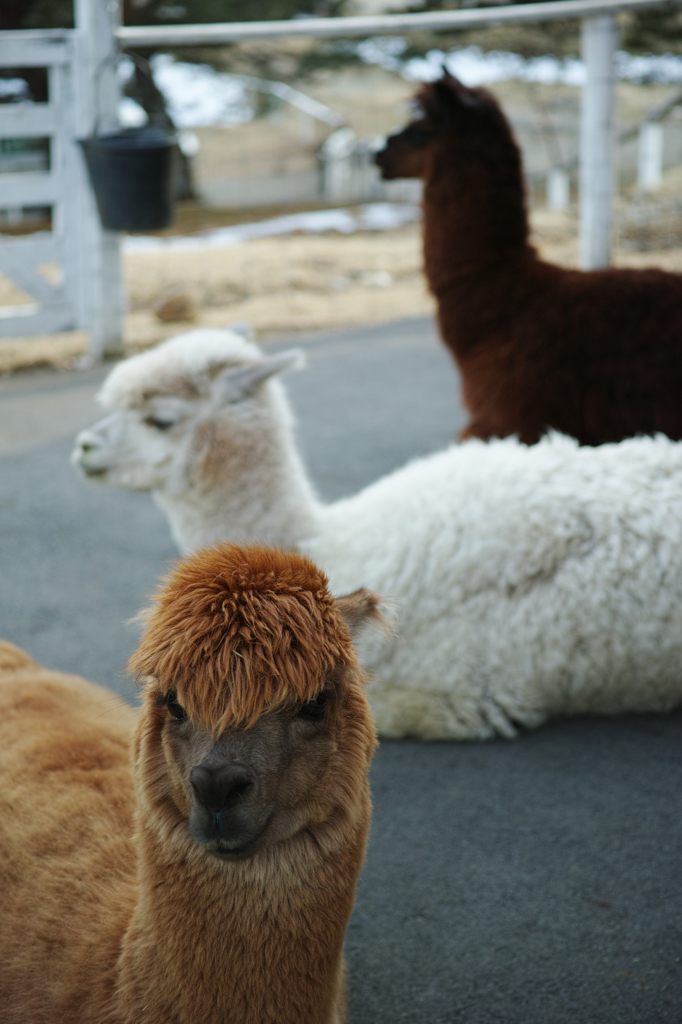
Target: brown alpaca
x=596 y=355
x=212 y=879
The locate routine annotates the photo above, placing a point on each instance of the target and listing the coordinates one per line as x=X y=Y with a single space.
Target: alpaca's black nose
x=218 y=788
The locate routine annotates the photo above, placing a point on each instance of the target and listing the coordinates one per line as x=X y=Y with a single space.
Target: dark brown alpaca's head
x=255 y=726
x=469 y=121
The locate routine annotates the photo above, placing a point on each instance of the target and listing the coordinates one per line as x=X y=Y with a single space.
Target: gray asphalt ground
x=535 y=881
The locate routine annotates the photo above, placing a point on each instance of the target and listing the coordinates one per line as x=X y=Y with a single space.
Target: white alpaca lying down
x=527 y=581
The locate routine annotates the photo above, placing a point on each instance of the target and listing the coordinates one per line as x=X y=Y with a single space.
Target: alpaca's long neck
x=254 y=490
x=249 y=942
x=474 y=214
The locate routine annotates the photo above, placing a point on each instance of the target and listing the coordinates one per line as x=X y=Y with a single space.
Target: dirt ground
x=304 y=283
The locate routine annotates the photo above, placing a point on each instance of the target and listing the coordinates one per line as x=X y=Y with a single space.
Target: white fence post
x=558 y=188
x=599 y=37
x=22 y=258
x=650 y=155
x=100 y=297
x=336 y=155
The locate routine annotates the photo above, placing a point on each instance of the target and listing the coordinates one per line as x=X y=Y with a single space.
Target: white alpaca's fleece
x=527 y=581
x=530 y=582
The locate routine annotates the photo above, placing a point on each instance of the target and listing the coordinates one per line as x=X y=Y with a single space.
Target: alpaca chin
x=228 y=833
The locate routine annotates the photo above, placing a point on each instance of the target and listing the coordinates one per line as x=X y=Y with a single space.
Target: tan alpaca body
x=112 y=911
x=67 y=863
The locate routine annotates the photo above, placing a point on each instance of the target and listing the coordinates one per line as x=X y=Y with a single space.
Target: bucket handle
x=161 y=116
x=142 y=64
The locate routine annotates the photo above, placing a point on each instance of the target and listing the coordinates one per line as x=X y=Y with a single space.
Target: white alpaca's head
x=172 y=410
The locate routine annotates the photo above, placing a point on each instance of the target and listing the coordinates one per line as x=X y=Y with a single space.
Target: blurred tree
x=647 y=31
x=195 y=12
x=16 y=14
x=653 y=31
x=281 y=59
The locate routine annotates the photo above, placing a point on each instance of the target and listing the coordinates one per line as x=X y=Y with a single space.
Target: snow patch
x=369 y=217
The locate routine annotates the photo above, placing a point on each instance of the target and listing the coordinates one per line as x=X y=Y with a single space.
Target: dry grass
x=286 y=284
x=298 y=283
x=280 y=285
x=56 y=351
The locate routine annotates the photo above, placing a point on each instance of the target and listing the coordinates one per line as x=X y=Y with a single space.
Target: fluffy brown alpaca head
x=470 y=121
x=254 y=707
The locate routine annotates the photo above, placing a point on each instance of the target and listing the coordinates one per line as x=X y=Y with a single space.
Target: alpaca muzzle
x=88 y=454
x=400 y=158
x=226 y=817
x=383 y=162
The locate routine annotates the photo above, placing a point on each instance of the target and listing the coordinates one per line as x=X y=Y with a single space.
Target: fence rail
x=368 y=25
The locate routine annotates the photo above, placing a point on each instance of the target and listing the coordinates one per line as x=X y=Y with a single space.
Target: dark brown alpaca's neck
x=474 y=214
x=257 y=941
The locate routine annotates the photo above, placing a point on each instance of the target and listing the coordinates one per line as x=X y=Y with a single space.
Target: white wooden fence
x=80 y=79
x=73 y=271
x=648 y=132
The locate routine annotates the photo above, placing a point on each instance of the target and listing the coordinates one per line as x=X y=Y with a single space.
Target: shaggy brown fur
x=596 y=355
x=130 y=896
x=249 y=636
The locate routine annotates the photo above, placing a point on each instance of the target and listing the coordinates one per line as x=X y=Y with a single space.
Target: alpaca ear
x=445 y=97
x=360 y=610
x=236 y=384
x=243 y=328
x=450 y=91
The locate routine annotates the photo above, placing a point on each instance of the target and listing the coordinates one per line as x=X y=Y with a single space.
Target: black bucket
x=132 y=174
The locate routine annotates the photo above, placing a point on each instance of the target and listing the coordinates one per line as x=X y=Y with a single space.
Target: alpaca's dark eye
x=159 y=423
x=176 y=710
x=314 y=710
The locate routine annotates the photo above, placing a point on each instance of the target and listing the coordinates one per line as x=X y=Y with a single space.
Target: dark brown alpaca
x=194 y=862
x=597 y=354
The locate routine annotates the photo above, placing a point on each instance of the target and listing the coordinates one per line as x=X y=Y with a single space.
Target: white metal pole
x=650 y=156
x=599 y=38
x=558 y=189
x=97 y=94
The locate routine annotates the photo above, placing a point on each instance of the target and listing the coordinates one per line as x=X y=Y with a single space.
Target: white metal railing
x=295 y=98
x=597 y=132
x=309 y=110
x=368 y=25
